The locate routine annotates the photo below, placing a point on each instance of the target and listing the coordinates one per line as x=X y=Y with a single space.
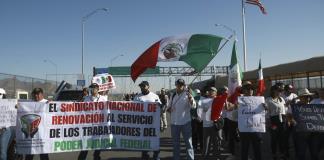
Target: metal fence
x=13 y=84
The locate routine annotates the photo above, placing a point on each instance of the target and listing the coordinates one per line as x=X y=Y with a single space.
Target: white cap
x=2 y=91
x=197 y=90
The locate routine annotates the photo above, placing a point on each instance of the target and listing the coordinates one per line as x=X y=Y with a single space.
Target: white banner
x=8 y=112
x=67 y=126
x=105 y=81
x=251 y=114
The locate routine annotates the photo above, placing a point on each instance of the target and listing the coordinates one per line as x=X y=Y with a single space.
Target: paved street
x=166 y=152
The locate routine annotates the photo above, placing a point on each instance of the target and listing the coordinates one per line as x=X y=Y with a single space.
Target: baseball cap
x=37 y=91
x=94 y=85
x=144 y=83
x=180 y=82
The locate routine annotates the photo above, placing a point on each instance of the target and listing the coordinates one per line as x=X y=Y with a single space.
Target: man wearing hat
x=147 y=96
x=209 y=132
x=180 y=105
x=38 y=96
x=94 y=97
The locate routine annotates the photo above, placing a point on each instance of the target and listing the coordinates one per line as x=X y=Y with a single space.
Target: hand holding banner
x=251 y=114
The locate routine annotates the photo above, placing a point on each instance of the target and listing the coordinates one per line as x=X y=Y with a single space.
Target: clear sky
x=34 y=30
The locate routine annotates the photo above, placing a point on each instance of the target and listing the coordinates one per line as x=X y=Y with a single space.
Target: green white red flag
x=261 y=86
x=196 y=50
x=235 y=77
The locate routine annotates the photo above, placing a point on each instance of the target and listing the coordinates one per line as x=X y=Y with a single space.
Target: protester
x=147 y=96
x=196 y=124
x=277 y=112
x=232 y=126
x=211 y=135
x=179 y=106
x=7 y=134
x=301 y=138
x=317 y=138
x=164 y=100
x=85 y=93
x=248 y=138
x=38 y=96
x=290 y=98
x=94 y=97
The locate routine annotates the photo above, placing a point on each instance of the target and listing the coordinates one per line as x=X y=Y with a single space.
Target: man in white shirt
x=38 y=96
x=180 y=104
x=94 y=97
x=147 y=96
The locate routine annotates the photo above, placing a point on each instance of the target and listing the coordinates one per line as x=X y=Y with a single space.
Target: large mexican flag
x=196 y=50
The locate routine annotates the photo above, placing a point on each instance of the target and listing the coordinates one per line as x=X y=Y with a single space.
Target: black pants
x=315 y=143
x=197 y=134
x=146 y=156
x=83 y=155
x=248 y=138
x=41 y=156
x=278 y=136
x=301 y=143
x=232 y=135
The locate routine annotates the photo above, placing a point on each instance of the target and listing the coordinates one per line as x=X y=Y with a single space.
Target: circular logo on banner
x=29 y=124
x=172 y=50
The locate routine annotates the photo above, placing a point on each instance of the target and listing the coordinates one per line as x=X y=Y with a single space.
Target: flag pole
x=220 y=48
x=244 y=37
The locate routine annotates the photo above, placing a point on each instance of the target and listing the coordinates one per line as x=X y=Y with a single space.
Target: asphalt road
x=166 y=152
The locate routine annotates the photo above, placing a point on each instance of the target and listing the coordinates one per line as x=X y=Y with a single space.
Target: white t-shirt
x=151 y=97
x=206 y=107
x=97 y=98
x=43 y=100
x=288 y=100
x=275 y=106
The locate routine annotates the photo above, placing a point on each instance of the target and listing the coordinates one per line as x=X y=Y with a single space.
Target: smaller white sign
x=8 y=112
x=105 y=81
x=251 y=114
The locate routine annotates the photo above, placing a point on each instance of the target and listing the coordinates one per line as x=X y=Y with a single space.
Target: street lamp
x=86 y=17
x=55 y=65
x=229 y=29
x=111 y=60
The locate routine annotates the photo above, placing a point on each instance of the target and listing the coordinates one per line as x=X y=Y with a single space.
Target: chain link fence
x=14 y=84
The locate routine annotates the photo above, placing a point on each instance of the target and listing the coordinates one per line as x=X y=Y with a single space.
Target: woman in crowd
x=301 y=139
x=277 y=112
x=248 y=138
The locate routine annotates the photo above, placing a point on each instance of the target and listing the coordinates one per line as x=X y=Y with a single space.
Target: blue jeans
x=186 y=134
x=6 y=138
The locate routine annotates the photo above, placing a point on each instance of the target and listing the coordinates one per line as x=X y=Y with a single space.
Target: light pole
x=83 y=22
x=111 y=60
x=55 y=65
x=228 y=28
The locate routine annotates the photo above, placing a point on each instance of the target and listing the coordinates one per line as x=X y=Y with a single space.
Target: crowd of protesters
x=191 y=110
